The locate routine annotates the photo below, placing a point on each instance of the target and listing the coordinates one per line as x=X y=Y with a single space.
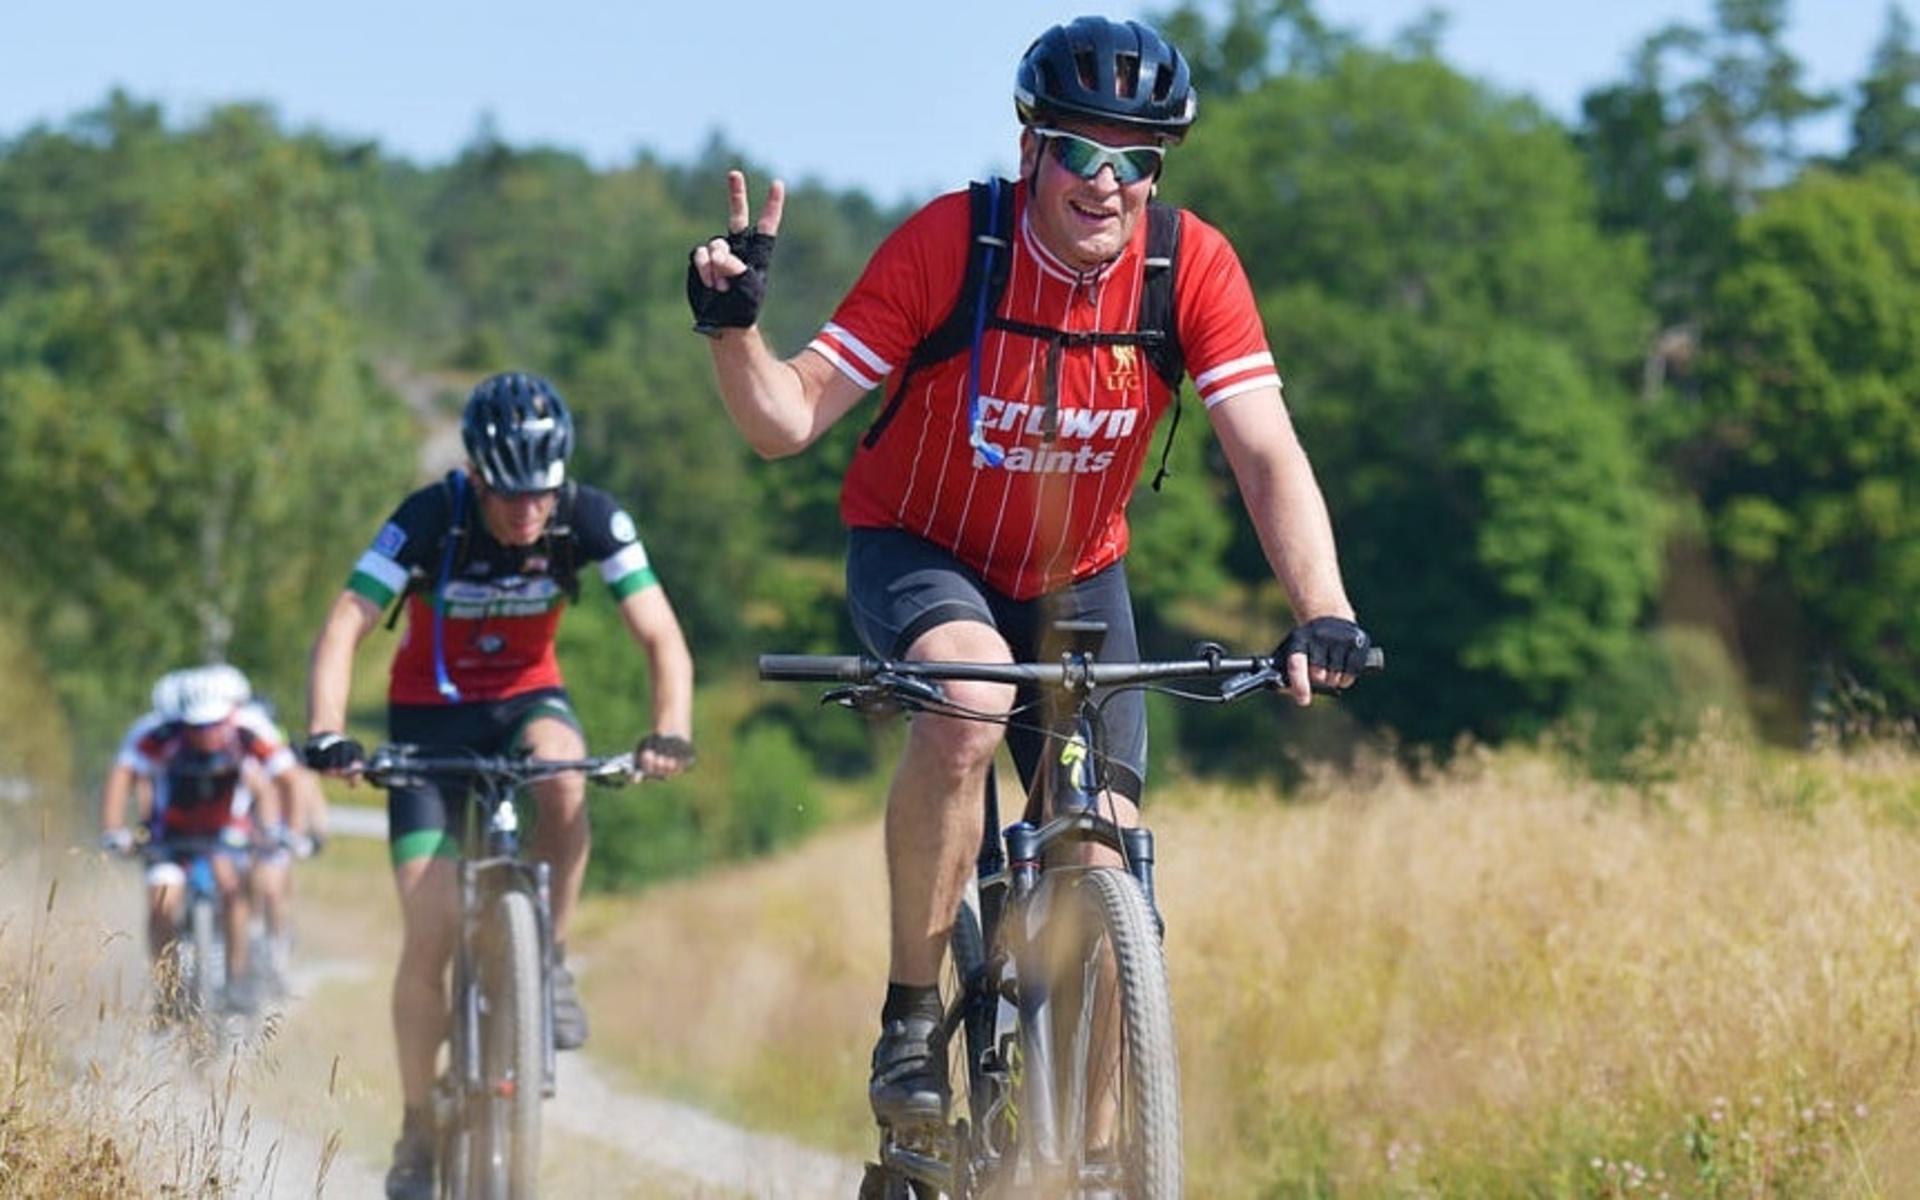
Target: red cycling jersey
x=202 y=792
x=1052 y=513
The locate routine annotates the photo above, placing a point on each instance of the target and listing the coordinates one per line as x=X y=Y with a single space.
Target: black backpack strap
x=563 y=560
x=989 y=262
x=1157 y=314
x=454 y=491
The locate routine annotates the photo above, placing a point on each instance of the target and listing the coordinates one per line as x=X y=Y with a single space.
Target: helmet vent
x=1126 y=75
x=1162 y=83
x=1087 y=69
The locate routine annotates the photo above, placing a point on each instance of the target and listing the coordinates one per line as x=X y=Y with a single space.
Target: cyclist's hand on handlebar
x=727 y=275
x=117 y=841
x=333 y=754
x=1326 y=652
x=660 y=755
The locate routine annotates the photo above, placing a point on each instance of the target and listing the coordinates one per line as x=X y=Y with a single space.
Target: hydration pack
x=977 y=309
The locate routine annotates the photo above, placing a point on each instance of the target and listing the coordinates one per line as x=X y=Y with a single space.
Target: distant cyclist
x=483 y=562
x=1027 y=336
x=304 y=818
x=204 y=773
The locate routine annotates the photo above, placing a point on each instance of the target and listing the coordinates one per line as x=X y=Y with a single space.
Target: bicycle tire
x=1104 y=955
x=966 y=958
x=506 y=1130
x=203 y=919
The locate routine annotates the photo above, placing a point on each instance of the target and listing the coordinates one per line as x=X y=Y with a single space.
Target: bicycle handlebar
x=1246 y=674
x=400 y=762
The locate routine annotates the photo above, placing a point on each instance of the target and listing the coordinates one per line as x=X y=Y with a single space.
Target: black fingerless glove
x=739 y=306
x=1331 y=642
x=666 y=745
x=333 y=752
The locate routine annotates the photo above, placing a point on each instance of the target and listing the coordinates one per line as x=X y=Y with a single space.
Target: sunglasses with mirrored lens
x=1084 y=157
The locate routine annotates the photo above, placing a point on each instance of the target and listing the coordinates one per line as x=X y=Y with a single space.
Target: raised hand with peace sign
x=727 y=276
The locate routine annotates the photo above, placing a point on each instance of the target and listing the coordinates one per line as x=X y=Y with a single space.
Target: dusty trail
x=297 y=1105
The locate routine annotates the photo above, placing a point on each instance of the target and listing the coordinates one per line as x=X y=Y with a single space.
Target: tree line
x=1616 y=417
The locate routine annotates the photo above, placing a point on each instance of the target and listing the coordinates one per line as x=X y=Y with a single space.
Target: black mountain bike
x=1058 y=1023
x=500 y=1061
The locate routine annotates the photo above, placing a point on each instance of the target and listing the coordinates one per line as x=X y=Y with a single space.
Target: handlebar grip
x=827 y=668
x=1376 y=659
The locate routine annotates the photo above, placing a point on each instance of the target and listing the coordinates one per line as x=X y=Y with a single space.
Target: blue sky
x=898 y=97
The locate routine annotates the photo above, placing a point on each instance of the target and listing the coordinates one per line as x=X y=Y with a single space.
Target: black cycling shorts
x=428 y=820
x=900 y=585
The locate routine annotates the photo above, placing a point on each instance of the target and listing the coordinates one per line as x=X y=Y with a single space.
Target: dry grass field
x=1501 y=979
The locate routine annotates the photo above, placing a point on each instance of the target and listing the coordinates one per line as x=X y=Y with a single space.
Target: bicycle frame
x=490 y=866
x=194 y=853
x=1063 y=810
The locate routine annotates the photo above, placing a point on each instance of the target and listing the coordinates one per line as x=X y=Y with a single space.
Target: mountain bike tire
x=207 y=984
x=505 y=1130
x=966 y=959
x=1117 y=1111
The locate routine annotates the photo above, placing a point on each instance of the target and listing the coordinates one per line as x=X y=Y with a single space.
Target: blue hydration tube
x=976 y=434
x=441 y=679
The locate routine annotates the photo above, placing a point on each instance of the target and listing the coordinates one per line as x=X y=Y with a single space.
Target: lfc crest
x=1124 y=373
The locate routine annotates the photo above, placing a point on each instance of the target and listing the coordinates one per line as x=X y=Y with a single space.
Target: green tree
x=1453 y=329
x=1707 y=118
x=1809 y=463
x=1886 y=122
x=191 y=444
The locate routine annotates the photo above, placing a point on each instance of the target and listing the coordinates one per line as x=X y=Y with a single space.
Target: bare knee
x=956 y=747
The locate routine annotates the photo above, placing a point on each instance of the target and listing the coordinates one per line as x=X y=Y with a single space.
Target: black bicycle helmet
x=1117 y=71
x=518 y=433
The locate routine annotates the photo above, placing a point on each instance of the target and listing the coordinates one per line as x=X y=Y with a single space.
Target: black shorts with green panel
x=429 y=819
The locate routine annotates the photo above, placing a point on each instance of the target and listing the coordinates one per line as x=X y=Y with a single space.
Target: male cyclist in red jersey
x=484 y=561
x=988 y=496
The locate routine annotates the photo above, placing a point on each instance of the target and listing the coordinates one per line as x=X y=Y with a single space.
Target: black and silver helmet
x=1120 y=72
x=518 y=433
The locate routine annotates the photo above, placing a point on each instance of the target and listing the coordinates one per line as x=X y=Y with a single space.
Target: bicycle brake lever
x=1239 y=685
x=861 y=698
x=614 y=772
x=912 y=688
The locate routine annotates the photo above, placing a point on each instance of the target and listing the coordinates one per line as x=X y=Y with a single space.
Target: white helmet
x=199 y=695
x=233 y=679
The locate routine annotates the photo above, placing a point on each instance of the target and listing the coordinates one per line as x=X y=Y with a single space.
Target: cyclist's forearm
x=781 y=406
x=280 y=805
x=1289 y=514
x=651 y=622
x=309 y=814
x=113 y=798
x=330 y=670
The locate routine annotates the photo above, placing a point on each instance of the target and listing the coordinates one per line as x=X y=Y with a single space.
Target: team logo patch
x=490 y=643
x=622 y=528
x=389 y=540
x=1124 y=375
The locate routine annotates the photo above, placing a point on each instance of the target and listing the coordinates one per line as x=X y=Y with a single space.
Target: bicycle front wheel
x=505 y=1136
x=209 y=957
x=1115 y=1075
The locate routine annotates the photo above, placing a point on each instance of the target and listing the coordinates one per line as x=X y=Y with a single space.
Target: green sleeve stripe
x=633 y=581
x=371 y=588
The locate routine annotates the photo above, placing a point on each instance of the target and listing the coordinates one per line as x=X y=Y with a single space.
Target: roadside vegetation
x=1493 y=978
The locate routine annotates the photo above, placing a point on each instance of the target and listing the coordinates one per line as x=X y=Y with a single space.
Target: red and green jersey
x=501 y=603
x=1054 y=512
